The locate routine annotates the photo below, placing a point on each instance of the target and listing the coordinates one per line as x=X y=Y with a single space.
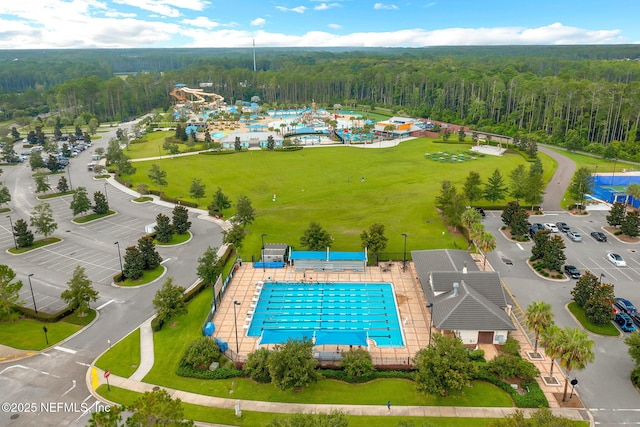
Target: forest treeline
x=581 y=97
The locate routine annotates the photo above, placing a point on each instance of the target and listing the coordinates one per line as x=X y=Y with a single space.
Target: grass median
x=578 y=312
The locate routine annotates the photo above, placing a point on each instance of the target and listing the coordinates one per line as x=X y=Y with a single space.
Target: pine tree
x=133 y=263
x=24 y=236
x=495 y=189
x=164 y=229
x=148 y=253
x=181 y=223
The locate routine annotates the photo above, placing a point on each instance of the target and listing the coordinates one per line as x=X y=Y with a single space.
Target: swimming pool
x=287 y=308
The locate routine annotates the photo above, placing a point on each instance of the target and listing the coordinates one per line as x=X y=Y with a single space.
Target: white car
x=574 y=235
x=616 y=260
x=551 y=227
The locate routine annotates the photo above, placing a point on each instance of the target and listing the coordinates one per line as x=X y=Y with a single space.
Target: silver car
x=574 y=235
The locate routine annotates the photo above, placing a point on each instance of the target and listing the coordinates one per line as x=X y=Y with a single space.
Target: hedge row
x=184 y=370
x=42 y=316
x=534 y=398
x=173 y=200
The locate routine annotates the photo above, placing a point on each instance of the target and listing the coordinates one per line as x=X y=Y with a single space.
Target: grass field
x=27 y=334
x=325 y=185
x=124 y=357
x=608 y=330
x=150 y=145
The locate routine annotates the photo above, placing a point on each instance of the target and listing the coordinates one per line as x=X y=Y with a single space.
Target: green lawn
x=150 y=145
x=91 y=217
x=27 y=334
x=148 y=276
x=604 y=165
x=176 y=239
x=258 y=419
x=324 y=185
x=36 y=244
x=609 y=329
x=124 y=357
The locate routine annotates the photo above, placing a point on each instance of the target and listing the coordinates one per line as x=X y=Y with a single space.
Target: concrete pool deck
x=414 y=316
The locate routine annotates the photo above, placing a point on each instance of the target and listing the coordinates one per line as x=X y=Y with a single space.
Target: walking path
x=560 y=181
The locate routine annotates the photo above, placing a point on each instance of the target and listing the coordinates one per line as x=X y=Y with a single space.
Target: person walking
x=388 y=407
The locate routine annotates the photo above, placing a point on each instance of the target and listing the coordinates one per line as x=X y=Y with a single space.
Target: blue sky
x=41 y=24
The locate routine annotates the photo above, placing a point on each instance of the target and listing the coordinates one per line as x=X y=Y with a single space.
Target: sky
x=69 y=24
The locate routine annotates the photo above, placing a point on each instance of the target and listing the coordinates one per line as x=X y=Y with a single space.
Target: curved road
x=559 y=182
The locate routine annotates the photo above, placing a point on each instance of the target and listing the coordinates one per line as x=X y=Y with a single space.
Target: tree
x=633 y=190
x=110 y=418
x=201 y=353
x=197 y=189
x=133 y=263
x=35 y=161
x=535 y=188
x=245 y=214
x=5 y=196
x=8 y=153
x=519 y=223
x=219 y=203
x=576 y=351
x=42 y=184
x=315 y=238
x=100 y=204
x=148 y=253
x=456 y=205
x=633 y=341
x=80 y=202
x=487 y=243
x=539 y=318
x=157 y=408
x=357 y=363
x=42 y=220
x=550 y=339
x=234 y=236
x=79 y=293
x=271 y=143
x=257 y=365
x=52 y=164
x=583 y=288
x=494 y=189
x=581 y=184
x=447 y=190
x=157 y=175
x=461 y=134
x=209 y=266
x=169 y=301
x=554 y=257
x=24 y=236
x=631 y=224
x=519 y=182
x=616 y=214
x=237 y=145
x=472 y=188
x=163 y=228
x=292 y=365
x=62 y=186
x=599 y=305
x=374 y=238
x=444 y=367
x=540 y=240
x=9 y=291
x=508 y=211
x=180 y=219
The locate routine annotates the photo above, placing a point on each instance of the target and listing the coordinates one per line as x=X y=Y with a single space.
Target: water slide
x=184 y=94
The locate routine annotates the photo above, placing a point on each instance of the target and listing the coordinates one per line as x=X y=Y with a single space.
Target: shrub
x=635 y=376
x=257 y=366
x=533 y=398
x=509 y=366
x=512 y=346
x=357 y=363
x=476 y=355
x=185 y=370
x=201 y=353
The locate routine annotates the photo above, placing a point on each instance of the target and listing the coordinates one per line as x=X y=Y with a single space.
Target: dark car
x=599 y=236
x=625 y=306
x=625 y=322
x=636 y=318
x=534 y=228
x=480 y=211
x=572 y=271
x=562 y=226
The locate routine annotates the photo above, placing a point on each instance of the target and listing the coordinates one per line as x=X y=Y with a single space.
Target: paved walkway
x=559 y=182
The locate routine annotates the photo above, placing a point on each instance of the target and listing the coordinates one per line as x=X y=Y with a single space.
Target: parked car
x=572 y=271
x=636 y=318
x=534 y=228
x=562 y=226
x=625 y=322
x=551 y=227
x=616 y=260
x=599 y=236
x=574 y=235
x=480 y=211
x=625 y=306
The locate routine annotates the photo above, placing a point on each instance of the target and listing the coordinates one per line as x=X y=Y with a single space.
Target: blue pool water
x=341 y=307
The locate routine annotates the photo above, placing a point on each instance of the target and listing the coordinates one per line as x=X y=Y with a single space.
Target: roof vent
x=455 y=288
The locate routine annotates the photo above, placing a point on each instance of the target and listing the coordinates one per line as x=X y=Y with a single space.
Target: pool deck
x=413 y=314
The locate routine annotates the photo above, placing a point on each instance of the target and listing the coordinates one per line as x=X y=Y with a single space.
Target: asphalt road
x=604 y=385
x=49 y=389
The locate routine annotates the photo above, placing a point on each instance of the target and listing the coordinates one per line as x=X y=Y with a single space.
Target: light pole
x=430 y=307
x=13 y=233
x=264 y=268
x=69 y=175
x=235 y=322
x=404 y=254
x=601 y=276
x=32 y=296
x=120 y=259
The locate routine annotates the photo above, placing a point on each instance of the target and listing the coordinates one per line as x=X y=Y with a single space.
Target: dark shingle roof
x=486 y=283
x=441 y=260
x=469 y=310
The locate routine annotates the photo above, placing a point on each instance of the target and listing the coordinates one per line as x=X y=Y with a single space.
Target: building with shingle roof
x=469 y=303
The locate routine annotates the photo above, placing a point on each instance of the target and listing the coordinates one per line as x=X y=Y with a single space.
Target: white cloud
x=326 y=6
x=152 y=6
x=382 y=6
x=116 y=14
x=334 y=26
x=258 y=22
x=201 y=22
x=297 y=9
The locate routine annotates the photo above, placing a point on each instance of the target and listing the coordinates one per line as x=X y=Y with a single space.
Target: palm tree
x=633 y=190
x=539 y=318
x=470 y=219
x=575 y=350
x=486 y=242
x=551 y=343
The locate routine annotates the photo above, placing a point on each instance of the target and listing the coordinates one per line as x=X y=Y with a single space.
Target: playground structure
x=184 y=94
